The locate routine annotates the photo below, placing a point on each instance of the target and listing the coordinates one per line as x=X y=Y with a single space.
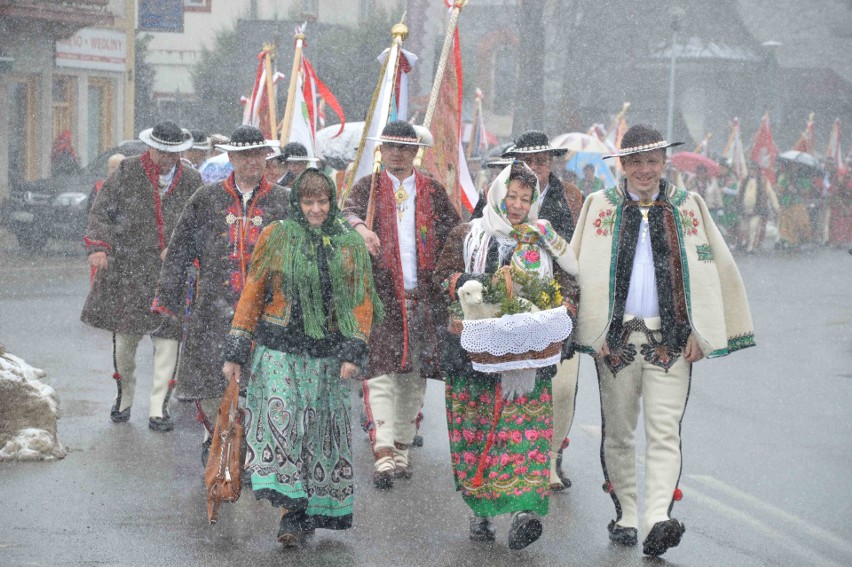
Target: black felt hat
x=401 y=132
x=247 y=138
x=533 y=142
x=200 y=140
x=167 y=137
x=642 y=138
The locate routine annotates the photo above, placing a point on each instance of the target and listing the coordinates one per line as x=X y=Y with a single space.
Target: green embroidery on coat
x=739 y=342
x=678 y=197
x=705 y=253
x=613 y=196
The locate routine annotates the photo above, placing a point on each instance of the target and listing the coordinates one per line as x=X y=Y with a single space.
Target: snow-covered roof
x=696 y=47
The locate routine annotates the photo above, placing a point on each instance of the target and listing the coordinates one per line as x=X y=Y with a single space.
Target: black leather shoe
x=383 y=480
x=418 y=441
x=663 y=536
x=290 y=529
x=526 y=528
x=481 y=529
x=119 y=416
x=622 y=535
x=161 y=424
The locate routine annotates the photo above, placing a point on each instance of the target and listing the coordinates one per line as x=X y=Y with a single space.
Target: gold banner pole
x=398 y=32
x=287 y=122
x=268 y=51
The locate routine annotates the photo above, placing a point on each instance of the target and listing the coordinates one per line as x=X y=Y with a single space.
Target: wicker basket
x=516 y=342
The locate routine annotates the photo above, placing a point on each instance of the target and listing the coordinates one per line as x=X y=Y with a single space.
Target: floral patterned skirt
x=500 y=449
x=299 y=437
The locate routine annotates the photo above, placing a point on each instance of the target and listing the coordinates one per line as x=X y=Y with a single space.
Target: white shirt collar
x=635 y=197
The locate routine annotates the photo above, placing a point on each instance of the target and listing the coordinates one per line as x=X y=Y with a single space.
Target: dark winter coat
x=556 y=209
x=124 y=223
x=208 y=231
x=386 y=339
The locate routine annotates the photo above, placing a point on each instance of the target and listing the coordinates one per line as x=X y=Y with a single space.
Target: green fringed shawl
x=290 y=251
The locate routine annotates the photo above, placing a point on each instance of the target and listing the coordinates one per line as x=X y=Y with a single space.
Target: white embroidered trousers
x=663 y=396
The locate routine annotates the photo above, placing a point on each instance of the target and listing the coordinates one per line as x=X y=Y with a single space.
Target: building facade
x=66 y=66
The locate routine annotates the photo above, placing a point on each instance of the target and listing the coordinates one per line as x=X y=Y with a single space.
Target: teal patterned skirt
x=500 y=450
x=299 y=438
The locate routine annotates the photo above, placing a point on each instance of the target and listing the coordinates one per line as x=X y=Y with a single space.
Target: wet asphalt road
x=766 y=452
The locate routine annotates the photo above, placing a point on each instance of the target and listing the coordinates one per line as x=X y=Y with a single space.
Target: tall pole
x=268 y=50
x=287 y=122
x=670 y=118
x=474 y=126
x=399 y=32
x=439 y=72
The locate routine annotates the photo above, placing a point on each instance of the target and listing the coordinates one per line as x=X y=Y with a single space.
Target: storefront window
x=99 y=116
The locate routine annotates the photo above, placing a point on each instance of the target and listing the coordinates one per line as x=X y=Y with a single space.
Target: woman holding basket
x=308 y=305
x=499 y=408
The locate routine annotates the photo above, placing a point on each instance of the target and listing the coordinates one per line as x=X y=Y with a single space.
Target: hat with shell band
x=532 y=142
x=401 y=132
x=167 y=137
x=200 y=140
x=642 y=138
x=246 y=138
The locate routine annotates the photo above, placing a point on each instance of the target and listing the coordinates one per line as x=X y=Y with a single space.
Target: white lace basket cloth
x=514 y=342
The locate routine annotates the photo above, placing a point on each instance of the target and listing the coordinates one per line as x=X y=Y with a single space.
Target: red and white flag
x=763 y=149
x=256 y=107
x=833 y=152
x=805 y=143
x=446 y=161
x=734 y=152
x=306 y=110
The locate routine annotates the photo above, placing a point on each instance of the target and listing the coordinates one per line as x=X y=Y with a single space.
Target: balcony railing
x=68 y=14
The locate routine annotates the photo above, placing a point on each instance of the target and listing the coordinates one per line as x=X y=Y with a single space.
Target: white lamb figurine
x=472 y=304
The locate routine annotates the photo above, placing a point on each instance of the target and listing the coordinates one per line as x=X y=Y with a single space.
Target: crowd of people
x=262 y=277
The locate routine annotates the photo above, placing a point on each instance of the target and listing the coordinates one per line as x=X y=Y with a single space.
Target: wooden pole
x=474 y=127
x=439 y=71
x=287 y=122
x=268 y=50
x=348 y=181
x=399 y=33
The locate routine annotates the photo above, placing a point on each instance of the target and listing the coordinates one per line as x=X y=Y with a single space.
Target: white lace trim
x=517 y=364
x=517 y=334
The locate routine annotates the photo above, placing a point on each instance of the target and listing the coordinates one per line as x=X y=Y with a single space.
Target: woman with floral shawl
x=500 y=430
x=308 y=305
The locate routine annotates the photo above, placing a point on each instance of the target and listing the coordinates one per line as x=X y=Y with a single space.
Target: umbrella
x=800 y=158
x=689 y=162
x=343 y=147
x=579 y=142
x=580 y=159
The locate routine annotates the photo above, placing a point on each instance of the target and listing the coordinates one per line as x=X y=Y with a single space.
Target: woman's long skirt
x=298 y=435
x=794 y=225
x=500 y=449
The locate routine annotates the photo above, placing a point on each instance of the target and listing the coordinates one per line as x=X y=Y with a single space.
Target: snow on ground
x=29 y=409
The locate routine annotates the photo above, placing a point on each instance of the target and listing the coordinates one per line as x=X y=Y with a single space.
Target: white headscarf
x=520 y=241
